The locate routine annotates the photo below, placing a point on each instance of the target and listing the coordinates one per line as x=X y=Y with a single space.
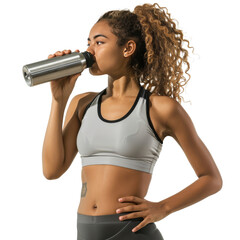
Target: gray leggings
x=109 y=227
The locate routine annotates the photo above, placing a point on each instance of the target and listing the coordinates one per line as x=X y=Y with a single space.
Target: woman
x=119 y=131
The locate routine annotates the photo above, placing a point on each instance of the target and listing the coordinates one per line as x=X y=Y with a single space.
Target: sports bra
x=129 y=142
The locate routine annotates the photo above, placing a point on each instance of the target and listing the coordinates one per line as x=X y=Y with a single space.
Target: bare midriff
x=102 y=185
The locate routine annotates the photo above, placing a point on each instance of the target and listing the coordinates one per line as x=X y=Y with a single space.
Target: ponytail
x=159 y=56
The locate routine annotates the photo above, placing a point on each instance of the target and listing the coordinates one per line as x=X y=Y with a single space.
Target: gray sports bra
x=129 y=142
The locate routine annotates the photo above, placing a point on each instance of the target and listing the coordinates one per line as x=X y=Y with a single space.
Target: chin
x=95 y=72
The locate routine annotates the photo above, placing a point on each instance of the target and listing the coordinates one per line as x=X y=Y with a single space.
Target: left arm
x=175 y=122
x=180 y=127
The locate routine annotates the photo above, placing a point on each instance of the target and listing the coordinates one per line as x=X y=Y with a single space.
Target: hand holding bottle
x=62 y=88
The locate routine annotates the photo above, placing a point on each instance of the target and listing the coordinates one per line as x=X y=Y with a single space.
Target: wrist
x=58 y=107
x=60 y=103
x=164 y=206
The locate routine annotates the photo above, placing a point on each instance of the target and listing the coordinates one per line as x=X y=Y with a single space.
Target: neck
x=122 y=87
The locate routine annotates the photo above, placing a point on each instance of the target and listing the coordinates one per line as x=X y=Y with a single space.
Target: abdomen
x=102 y=185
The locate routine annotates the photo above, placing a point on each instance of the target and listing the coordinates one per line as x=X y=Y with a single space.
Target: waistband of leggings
x=81 y=218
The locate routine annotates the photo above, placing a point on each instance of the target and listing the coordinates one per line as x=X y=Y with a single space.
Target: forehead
x=101 y=27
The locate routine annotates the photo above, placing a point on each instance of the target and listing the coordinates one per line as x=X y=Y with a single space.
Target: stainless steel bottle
x=57 y=67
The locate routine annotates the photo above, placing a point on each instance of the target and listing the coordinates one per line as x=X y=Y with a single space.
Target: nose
x=90 y=49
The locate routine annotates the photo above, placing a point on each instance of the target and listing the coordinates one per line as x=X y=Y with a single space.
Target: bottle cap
x=89 y=58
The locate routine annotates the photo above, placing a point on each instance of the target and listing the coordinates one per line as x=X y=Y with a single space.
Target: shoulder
x=82 y=98
x=169 y=112
x=165 y=107
x=78 y=104
x=84 y=95
x=80 y=101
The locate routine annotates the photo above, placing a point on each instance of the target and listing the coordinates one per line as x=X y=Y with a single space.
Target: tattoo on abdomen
x=84 y=189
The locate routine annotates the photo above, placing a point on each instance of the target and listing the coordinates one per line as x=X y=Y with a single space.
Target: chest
x=114 y=110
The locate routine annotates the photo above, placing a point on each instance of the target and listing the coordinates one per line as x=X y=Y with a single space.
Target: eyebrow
x=98 y=35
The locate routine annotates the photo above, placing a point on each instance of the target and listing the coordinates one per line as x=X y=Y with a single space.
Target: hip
x=109 y=227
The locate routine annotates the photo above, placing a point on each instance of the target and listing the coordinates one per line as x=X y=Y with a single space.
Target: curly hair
x=159 y=56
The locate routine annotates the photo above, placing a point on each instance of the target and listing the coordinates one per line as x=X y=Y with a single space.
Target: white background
x=32 y=207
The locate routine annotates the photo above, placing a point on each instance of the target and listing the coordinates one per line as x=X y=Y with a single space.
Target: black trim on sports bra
x=148 y=117
x=89 y=104
x=126 y=115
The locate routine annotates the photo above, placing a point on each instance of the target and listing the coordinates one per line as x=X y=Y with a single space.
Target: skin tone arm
x=59 y=147
x=177 y=123
x=53 y=148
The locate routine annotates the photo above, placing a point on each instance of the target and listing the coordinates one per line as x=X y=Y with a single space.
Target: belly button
x=94 y=206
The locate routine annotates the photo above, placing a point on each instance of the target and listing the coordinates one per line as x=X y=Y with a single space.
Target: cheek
x=109 y=61
x=107 y=64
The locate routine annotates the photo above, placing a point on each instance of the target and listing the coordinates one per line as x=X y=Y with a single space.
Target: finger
x=131 y=199
x=51 y=55
x=131 y=208
x=132 y=215
x=141 y=225
x=77 y=50
x=58 y=53
x=67 y=51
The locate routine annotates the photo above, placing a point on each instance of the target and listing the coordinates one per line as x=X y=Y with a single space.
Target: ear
x=129 y=48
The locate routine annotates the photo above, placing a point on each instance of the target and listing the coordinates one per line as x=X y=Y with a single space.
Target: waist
x=106 y=202
x=102 y=185
x=107 y=218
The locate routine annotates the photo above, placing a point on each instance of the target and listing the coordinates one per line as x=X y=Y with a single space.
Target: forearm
x=53 y=149
x=198 y=190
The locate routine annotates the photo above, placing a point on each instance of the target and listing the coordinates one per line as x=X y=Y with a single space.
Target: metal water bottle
x=57 y=67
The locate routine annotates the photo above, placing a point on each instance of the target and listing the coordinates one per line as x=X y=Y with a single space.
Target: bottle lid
x=89 y=58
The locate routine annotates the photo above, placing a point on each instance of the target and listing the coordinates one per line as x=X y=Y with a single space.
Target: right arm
x=53 y=152
x=59 y=147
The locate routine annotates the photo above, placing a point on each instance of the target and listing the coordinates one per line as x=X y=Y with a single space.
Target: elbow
x=213 y=184
x=216 y=183
x=219 y=183
x=50 y=176
x=51 y=172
